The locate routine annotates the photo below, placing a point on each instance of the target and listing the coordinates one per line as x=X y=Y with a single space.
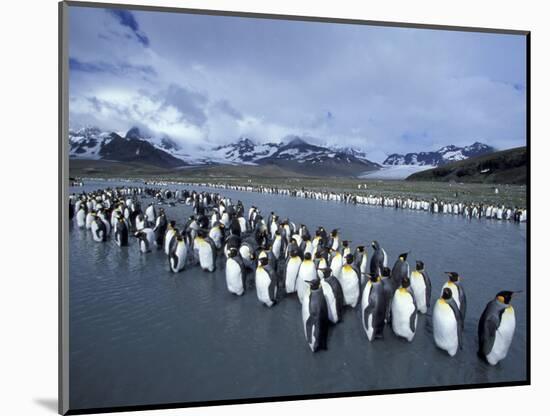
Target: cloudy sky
x=212 y=79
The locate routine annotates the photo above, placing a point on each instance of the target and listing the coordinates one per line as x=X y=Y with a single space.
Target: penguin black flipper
x=462 y=298
x=412 y=319
x=173 y=259
x=428 y=284
x=272 y=289
x=487 y=328
x=459 y=321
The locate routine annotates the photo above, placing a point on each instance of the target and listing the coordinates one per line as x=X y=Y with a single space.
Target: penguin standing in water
x=170 y=237
x=292 y=267
x=178 y=254
x=421 y=287
x=379 y=259
x=315 y=316
x=403 y=311
x=266 y=283
x=206 y=250
x=160 y=228
x=81 y=216
x=146 y=239
x=121 y=232
x=99 y=230
x=496 y=328
x=306 y=273
x=234 y=272
x=458 y=293
x=373 y=308
x=350 y=281
x=150 y=215
x=334 y=296
x=400 y=269
x=447 y=325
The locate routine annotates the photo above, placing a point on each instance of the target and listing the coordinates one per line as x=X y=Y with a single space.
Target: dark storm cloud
x=215 y=78
x=127 y=19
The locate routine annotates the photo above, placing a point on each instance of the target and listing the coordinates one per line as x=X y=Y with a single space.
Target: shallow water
x=140 y=334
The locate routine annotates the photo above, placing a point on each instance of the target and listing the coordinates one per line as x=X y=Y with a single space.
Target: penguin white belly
x=350 y=286
x=305 y=316
x=336 y=267
x=181 y=253
x=89 y=221
x=292 y=269
x=419 y=290
x=402 y=307
x=276 y=249
x=233 y=277
x=367 y=326
x=242 y=224
x=206 y=259
x=503 y=336
x=216 y=236
x=331 y=302
x=445 y=327
x=81 y=218
x=262 y=286
x=168 y=238
x=97 y=235
x=307 y=272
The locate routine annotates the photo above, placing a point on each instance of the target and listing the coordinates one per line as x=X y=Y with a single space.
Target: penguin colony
x=467 y=210
x=321 y=268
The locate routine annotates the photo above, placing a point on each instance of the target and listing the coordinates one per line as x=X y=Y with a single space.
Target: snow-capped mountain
x=294 y=153
x=440 y=157
x=92 y=143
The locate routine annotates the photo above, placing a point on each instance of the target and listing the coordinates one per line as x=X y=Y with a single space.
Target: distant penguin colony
x=468 y=210
x=280 y=259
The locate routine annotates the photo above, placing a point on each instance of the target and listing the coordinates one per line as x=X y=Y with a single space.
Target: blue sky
x=204 y=80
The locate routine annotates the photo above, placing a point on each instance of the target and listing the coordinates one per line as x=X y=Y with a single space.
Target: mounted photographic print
x=264 y=208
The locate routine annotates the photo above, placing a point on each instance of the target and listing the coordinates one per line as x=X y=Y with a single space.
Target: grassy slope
x=507 y=166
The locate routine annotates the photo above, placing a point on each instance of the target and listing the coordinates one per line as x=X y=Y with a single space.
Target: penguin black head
x=345 y=243
x=277 y=232
x=447 y=294
x=419 y=265
x=179 y=237
x=172 y=223
x=349 y=258
x=232 y=252
x=505 y=296
x=386 y=272
x=313 y=284
x=403 y=256
x=201 y=233
x=405 y=283
x=360 y=249
x=372 y=277
x=263 y=261
x=307 y=256
x=375 y=245
x=293 y=252
x=327 y=271
x=334 y=232
x=453 y=276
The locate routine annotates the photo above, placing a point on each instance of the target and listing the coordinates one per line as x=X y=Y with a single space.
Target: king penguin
x=178 y=254
x=379 y=259
x=315 y=316
x=421 y=287
x=121 y=232
x=334 y=296
x=206 y=251
x=447 y=325
x=403 y=311
x=496 y=328
x=266 y=283
x=373 y=308
x=400 y=269
x=292 y=267
x=306 y=273
x=350 y=281
x=234 y=272
x=81 y=216
x=458 y=292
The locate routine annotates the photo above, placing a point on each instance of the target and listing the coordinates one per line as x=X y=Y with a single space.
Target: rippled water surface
x=140 y=334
